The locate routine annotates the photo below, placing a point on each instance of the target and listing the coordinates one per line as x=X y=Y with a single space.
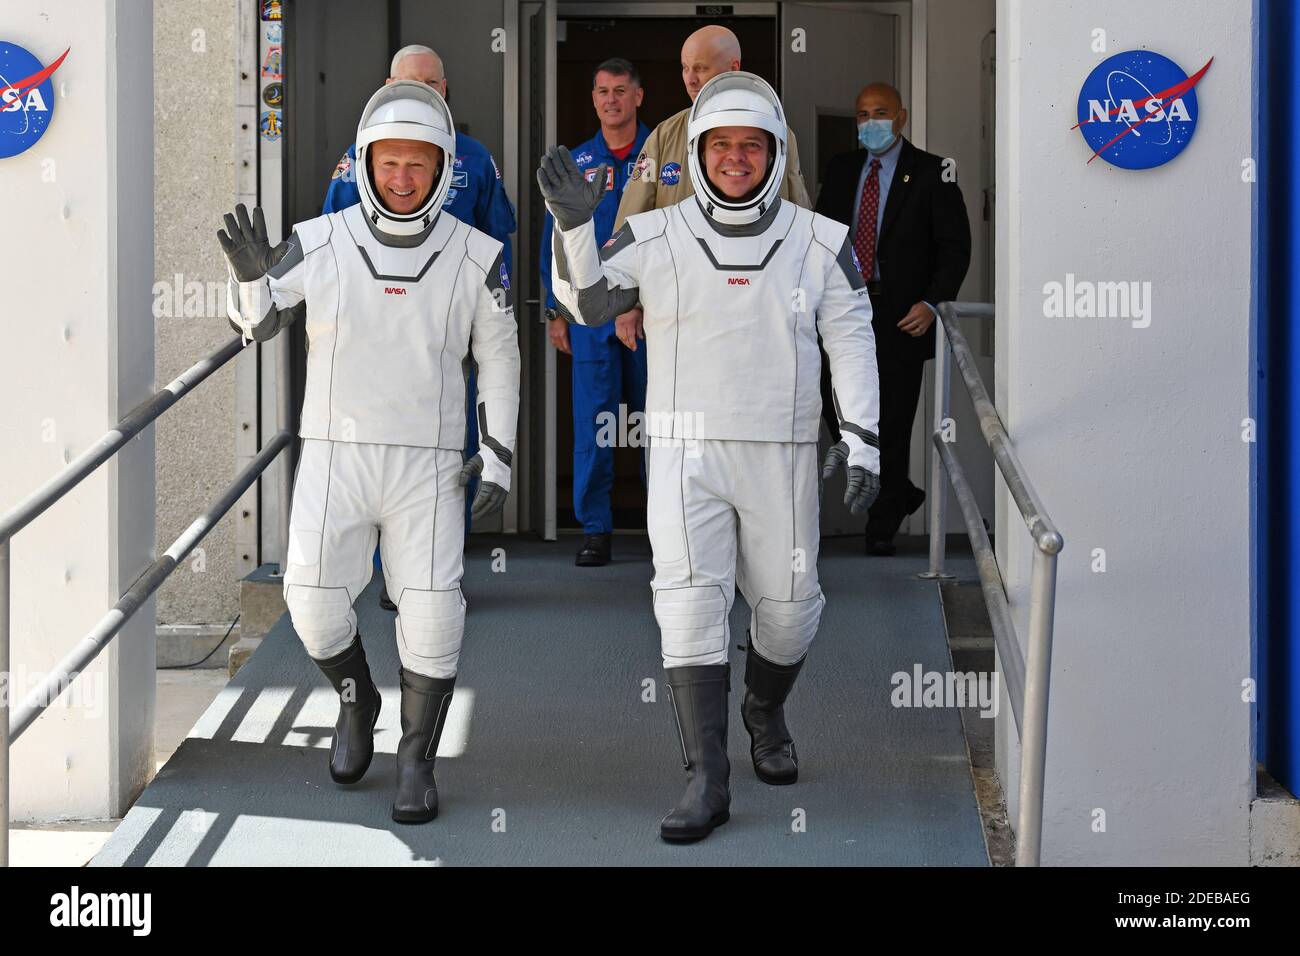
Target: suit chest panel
x=390 y=300
x=719 y=288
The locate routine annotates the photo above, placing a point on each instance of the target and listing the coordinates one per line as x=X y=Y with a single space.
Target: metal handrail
x=995 y=597
x=1027 y=678
x=98 y=637
x=135 y=422
x=149 y=580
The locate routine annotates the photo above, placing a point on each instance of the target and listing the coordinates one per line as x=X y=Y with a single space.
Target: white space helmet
x=736 y=99
x=405 y=109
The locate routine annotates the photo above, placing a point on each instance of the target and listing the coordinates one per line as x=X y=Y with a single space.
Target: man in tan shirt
x=660 y=177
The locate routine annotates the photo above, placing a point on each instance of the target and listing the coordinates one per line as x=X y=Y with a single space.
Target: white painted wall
x=1132 y=436
x=78 y=314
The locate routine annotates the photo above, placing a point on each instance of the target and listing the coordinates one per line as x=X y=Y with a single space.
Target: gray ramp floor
x=551 y=753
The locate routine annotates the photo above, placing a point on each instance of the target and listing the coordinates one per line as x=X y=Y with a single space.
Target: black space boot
x=425 y=701
x=766 y=687
x=354 y=732
x=699 y=698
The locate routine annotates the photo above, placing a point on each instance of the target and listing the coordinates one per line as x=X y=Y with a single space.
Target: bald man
x=660 y=177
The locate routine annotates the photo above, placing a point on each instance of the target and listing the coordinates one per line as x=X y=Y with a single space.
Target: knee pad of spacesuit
x=430 y=625
x=692 y=625
x=784 y=630
x=322 y=617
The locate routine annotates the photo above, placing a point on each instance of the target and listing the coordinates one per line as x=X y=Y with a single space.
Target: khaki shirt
x=646 y=189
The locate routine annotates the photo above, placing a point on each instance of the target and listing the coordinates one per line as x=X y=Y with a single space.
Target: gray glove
x=863 y=486
x=247 y=247
x=572 y=198
x=490 y=497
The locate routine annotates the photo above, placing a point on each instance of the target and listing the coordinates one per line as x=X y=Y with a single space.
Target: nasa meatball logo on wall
x=26 y=98
x=1138 y=110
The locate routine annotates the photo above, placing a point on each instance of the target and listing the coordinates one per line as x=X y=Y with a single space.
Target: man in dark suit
x=912 y=240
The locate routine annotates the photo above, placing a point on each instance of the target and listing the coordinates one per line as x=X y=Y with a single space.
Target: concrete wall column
x=1131 y=429
x=77 y=309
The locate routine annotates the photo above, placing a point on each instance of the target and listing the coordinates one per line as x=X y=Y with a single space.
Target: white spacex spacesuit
x=735 y=293
x=393 y=304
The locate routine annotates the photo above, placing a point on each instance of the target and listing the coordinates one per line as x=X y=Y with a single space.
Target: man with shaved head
x=661 y=178
x=911 y=235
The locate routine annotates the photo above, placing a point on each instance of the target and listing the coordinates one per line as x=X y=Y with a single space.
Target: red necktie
x=864 y=240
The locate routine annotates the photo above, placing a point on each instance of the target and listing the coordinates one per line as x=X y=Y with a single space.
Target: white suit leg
x=331 y=541
x=776 y=498
x=693 y=534
x=422 y=547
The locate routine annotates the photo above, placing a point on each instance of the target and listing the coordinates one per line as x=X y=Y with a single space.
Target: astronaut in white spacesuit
x=395 y=293
x=736 y=286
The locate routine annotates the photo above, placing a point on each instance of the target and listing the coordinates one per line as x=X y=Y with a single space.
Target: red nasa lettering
x=394 y=290
x=737 y=280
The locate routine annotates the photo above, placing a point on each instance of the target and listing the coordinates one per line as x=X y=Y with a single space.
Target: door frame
x=912 y=46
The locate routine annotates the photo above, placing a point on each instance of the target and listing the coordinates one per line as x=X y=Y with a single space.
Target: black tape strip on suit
x=498 y=449
x=599 y=303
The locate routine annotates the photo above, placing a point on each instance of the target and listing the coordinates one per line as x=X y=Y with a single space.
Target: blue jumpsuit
x=476 y=197
x=605 y=372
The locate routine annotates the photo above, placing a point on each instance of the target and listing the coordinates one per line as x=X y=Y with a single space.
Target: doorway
x=560 y=45
x=815 y=54
x=651 y=43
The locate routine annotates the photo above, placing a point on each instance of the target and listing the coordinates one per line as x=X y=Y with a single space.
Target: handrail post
x=284 y=411
x=6 y=692
x=1033 y=739
x=939 y=487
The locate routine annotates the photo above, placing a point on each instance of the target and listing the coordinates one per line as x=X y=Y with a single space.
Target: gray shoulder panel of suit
x=497 y=280
x=599 y=303
x=845 y=260
x=289 y=258
x=620 y=241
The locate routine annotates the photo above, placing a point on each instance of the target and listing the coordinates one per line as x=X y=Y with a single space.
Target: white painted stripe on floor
x=313 y=725
x=263 y=714
x=208 y=724
x=185 y=835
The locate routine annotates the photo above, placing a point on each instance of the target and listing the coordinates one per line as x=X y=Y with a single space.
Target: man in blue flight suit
x=476 y=197
x=608 y=368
